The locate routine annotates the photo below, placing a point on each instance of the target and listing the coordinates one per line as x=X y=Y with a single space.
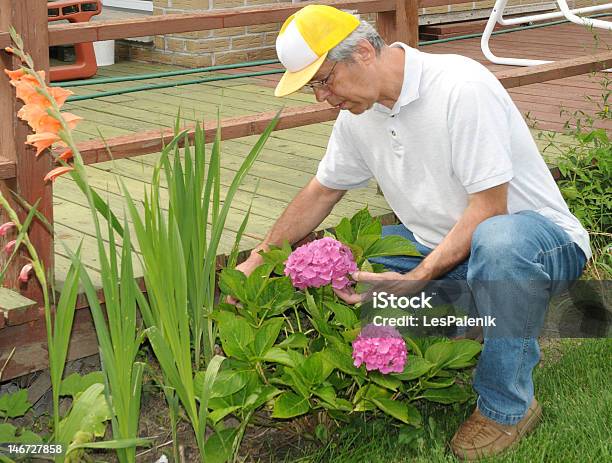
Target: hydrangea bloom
x=381 y=348
x=320 y=263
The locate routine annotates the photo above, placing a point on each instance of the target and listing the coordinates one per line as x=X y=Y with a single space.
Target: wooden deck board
x=291 y=156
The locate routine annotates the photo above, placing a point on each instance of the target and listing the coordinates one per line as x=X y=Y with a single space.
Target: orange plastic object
x=75 y=11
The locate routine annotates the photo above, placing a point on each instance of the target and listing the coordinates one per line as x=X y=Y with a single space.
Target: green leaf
x=87 y=415
x=278 y=355
x=344 y=231
x=75 y=383
x=111 y=444
x=296 y=340
x=361 y=221
x=399 y=410
x=315 y=368
x=226 y=383
x=266 y=335
x=257 y=281
x=364 y=396
x=392 y=245
x=289 y=405
x=452 y=354
x=14 y=404
x=294 y=378
x=9 y=433
x=453 y=394
x=342 y=361
x=218 y=447
x=217 y=415
x=236 y=334
x=386 y=381
x=277 y=258
x=364 y=242
x=415 y=368
x=328 y=395
x=259 y=396
x=440 y=384
x=278 y=294
x=343 y=314
x=233 y=282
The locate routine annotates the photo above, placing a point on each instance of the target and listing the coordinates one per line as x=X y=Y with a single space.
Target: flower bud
x=8 y=248
x=24 y=275
x=6 y=227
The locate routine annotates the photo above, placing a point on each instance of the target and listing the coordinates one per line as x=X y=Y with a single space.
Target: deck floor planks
x=291 y=156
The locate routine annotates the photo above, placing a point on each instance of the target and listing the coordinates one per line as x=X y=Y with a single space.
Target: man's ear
x=364 y=52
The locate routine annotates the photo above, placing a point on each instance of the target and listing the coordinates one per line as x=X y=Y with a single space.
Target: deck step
x=455 y=29
x=16 y=309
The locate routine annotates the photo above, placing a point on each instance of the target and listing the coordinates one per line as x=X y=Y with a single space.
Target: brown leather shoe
x=479 y=437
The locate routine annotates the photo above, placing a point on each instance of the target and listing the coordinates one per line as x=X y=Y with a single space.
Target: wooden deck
x=291 y=156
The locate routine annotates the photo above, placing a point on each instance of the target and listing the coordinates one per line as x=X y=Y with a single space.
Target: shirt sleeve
x=479 y=127
x=342 y=167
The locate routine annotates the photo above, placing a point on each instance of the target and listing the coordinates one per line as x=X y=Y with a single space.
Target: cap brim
x=293 y=81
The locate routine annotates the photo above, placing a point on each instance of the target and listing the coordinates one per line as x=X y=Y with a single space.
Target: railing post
x=401 y=25
x=29 y=18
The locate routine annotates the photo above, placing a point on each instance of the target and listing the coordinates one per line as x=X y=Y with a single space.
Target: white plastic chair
x=497 y=17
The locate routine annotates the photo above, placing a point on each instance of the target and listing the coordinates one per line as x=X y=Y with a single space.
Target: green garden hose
x=109 y=80
x=180 y=72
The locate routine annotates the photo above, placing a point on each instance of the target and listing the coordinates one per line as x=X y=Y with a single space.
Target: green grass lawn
x=572 y=385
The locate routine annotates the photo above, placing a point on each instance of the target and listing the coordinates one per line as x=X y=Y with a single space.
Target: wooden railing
x=20 y=171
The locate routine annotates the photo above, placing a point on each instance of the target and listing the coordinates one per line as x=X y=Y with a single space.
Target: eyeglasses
x=318 y=84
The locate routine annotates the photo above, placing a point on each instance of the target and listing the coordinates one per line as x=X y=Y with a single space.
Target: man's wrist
x=421 y=272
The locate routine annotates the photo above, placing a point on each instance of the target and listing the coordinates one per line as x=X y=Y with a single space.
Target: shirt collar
x=413 y=67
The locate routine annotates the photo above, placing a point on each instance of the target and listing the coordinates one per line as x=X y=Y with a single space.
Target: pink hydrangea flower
x=381 y=348
x=320 y=263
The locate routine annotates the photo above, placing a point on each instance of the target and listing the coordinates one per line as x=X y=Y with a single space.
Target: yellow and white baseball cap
x=304 y=41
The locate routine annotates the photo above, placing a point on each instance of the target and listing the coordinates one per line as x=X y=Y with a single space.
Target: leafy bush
x=292 y=349
x=584 y=160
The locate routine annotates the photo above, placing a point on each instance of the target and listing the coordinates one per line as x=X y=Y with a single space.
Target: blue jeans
x=520 y=248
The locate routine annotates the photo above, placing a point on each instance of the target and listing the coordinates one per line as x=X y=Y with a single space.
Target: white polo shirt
x=453 y=131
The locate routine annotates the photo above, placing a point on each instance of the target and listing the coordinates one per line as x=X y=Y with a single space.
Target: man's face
x=349 y=85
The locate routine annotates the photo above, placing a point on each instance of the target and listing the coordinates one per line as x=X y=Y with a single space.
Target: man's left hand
x=390 y=282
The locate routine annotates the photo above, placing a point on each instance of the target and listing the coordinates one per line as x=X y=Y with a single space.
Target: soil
x=265 y=441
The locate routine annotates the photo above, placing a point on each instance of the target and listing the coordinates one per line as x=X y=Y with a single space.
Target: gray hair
x=345 y=49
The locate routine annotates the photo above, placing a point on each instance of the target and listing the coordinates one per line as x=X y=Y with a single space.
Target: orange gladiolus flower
x=59 y=95
x=53 y=174
x=33 y=114
x=26 y=92
x=16 y=74
x=27 y=89
x=72 y=120
x=42 y=141
x=9 y=50
x=65 y=156
x=40 y=121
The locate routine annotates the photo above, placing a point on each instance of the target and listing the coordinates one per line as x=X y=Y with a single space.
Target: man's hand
x=390 y=282
x=254 y=261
